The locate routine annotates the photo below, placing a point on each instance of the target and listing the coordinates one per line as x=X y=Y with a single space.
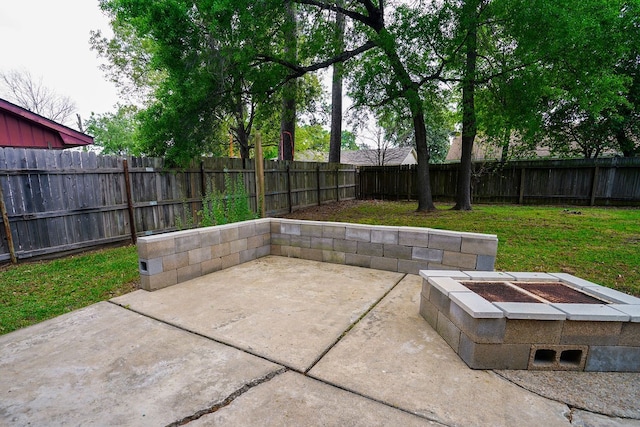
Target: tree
x=288 y=117
x=395 y=69
x=348 y=141
x=378 y=154
x=21 y=88
x=335 y=143
x=205 y=85
x=209 y=82
x=312 y=137
x=129 y=57
x=572 y=91
x=115 y=132
x=470 y=16
x=439 y=124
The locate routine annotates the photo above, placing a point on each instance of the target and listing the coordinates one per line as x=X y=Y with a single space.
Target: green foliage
x=128 y=60
x=348 y=141
x=204 y=59
x=570 y=76
x=188 y=221
x=312 y=137
x=115 y=132
x=231 y=205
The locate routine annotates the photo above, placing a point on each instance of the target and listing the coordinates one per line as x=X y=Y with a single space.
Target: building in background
x=21 y=128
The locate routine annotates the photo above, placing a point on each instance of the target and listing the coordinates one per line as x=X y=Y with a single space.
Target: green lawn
x=601 y=245
x=33 y=292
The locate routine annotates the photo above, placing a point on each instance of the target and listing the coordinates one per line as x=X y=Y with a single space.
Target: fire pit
x=496 y=320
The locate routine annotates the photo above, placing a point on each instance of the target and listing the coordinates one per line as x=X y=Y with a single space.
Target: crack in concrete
x=229 y=399
x=571 y=407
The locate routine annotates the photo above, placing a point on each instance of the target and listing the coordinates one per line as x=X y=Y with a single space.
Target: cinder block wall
x=171 y=258
x=167 y=259
x=402 y=249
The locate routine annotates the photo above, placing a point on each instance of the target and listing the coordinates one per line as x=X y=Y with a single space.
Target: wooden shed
x=22 y=128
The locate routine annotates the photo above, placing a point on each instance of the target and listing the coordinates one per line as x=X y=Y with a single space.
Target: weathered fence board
x=611 y=181
x=66 y=200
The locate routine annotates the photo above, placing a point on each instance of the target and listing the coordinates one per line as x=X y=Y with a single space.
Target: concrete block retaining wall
x=171 y=258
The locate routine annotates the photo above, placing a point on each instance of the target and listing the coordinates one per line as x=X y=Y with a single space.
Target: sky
x=50 y=39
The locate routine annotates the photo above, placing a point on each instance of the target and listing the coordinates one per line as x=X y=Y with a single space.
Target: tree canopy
x=559 y=73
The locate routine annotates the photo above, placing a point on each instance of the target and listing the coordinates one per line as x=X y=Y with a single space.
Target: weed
x=230 y=206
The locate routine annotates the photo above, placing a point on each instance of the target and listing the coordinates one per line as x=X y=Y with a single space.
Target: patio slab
x=614 y=394
x=394 y=356
x=287 y=310
x=293 y=399
x=104 y=365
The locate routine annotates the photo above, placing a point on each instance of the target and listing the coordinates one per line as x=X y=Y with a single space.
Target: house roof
x=382 y=157
x=20 y=127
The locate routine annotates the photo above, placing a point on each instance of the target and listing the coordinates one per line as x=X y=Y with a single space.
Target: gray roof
x=382 y=157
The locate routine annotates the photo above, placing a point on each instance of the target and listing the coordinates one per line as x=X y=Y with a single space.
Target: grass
x=598 y=244
x=601 y=245
x=33 y=292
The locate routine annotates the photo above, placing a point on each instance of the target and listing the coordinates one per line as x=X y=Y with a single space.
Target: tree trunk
x=425 y=200
x=463 y=191
x=288 y=119
x=243 y=141
x=335 y=140
x=288 y=127
x=411 y=94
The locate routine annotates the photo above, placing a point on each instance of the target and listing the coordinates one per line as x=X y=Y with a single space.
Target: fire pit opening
x=531 y=292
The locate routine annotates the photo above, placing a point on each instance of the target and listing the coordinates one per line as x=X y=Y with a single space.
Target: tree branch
x=299 y=71
x=335 y=8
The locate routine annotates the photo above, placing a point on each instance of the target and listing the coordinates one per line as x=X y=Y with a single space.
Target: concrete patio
x=281 y=341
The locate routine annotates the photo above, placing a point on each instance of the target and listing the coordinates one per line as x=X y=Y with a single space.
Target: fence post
x=522 y=175
x=7 y=228
x=594 y=185
x=203 y=181
x=318 y=183
x=289 y=188
x=127 y=184
x=259 y=159
x=337 y=183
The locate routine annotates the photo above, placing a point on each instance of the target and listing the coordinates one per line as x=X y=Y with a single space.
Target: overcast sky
x=50 y=39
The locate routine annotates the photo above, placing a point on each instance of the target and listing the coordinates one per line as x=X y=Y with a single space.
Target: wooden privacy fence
x=610 y=181
x=57 y=201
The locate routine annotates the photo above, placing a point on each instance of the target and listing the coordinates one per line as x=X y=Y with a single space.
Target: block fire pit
x=496 y=320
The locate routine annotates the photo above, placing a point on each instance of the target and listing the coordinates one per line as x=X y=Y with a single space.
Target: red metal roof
x=22 y=128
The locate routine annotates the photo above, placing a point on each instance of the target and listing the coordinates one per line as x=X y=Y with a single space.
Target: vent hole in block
x=143 y=266
x=571 y=357
x=544 y=356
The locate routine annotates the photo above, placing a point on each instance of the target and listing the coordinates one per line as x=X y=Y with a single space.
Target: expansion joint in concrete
x=438 y=422
x=352 y=325
x=190 y=331
x=229 y=399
